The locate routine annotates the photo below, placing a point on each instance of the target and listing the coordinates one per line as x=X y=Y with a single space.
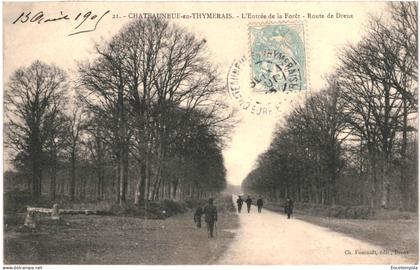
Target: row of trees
x=354 y=142
x=144 y=120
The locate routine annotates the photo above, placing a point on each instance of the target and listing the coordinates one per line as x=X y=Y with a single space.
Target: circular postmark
x=251 y=93
x=274 y=71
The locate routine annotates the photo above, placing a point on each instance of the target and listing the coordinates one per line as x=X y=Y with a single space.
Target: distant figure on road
x=288 y=207
x=248 y=203
x=239 y=202
x=260 y=204
x=210 y=218
x=197 y=215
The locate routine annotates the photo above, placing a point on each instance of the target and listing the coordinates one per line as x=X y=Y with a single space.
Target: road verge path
x=271 y=238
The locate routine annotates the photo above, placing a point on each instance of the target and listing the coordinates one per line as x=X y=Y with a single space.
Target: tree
x=75 y=122
x=106 y=98
x=319 y=125
x=99 y=152
x=305 y=156
x=34 y=98
x=378 y=94
x=362 y=127
x=404 y=33
x=150 y=70
x=55 y=144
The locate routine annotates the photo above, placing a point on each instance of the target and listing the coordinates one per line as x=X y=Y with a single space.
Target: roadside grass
x=93 y=239
x=400 y=236
x=16 y=202
x=391 y=229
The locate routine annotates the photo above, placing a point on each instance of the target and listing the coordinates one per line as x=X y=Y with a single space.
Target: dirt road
x=271 y=238
x=94 y=239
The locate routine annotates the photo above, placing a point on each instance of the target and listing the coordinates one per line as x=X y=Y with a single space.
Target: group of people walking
x=288 y=207
x=248 y=202
x=210 y=212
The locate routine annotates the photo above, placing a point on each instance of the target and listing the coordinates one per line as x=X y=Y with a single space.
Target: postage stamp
x=278 y=57
x=274 y=73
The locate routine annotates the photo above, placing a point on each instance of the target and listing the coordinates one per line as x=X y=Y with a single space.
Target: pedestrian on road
x=210 y=213
x=288 y=207
x=197 y=215
x=260 y=204
x=239 y=202
x=248 y=203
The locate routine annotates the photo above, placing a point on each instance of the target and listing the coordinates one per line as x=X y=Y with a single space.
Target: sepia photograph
x=210 y=133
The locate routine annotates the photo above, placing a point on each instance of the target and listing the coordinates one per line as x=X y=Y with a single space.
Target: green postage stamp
x=278 y=57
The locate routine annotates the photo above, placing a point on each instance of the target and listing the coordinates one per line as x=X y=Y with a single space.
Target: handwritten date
x=84 y=22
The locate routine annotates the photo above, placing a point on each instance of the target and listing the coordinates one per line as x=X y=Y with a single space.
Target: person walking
x=248 y=203
x=260 y=204
x=239 y=202
x=210 y=217
x=288 y=208
x=197 y=215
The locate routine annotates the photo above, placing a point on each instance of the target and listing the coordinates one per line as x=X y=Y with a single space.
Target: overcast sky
x=227 y=40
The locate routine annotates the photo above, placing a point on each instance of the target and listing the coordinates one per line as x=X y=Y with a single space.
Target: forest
x=141 y=121
x=355 y=141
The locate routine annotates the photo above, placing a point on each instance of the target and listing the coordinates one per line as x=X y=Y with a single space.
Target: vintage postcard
x=210 y=133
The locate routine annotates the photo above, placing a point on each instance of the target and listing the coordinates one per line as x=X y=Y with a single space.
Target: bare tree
x=404 y=33
x=98 y=149
x=56 y=145
x=148 y=70
x=404 y=36
x=320 y=125
x=372 y=112
x=75 y=127
x=378 y=91
x=106 y=98
x=34 y=98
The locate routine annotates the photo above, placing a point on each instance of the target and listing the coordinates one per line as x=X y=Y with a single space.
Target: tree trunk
x=126 y=171
x=148 y=176
x=100 y=188
x=73 y=175
x=403 y=185
x=121 y=179
x=140 y=187
x=36 y=174
x=53 y=178
x=374 y=183
x=117 y=179
x=174 y=188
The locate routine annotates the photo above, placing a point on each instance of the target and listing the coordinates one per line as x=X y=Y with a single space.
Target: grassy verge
x=16 y=202
x=391 y=230
x=81 y=239
x=397 y=235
